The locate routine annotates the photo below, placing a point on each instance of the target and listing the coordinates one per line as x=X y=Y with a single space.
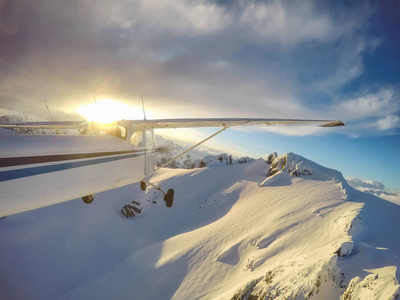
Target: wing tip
x=333 y=124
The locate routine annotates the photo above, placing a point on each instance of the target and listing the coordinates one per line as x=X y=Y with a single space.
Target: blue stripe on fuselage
x=26 y=172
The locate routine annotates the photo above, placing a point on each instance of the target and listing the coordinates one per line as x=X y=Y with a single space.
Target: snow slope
x=304 y=234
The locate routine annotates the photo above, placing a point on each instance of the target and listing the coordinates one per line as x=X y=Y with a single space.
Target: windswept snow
x=304 y=234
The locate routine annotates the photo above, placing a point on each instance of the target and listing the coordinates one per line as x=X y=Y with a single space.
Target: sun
x=108 y=111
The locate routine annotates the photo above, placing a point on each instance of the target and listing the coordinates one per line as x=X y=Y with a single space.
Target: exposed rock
x=271 y=158
x=130 y=211
x=244 y=160
x=221 y=160
x=297 y=165
x=278 y=164
x=373 y=286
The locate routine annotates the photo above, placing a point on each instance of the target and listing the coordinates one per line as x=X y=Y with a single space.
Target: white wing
x=231 y=122
x=45 y=125
x=181 y=123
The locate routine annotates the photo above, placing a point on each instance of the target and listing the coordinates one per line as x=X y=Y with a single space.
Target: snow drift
x=303 y=234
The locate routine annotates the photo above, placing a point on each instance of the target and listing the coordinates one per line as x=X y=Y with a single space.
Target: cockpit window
x=137 y=139
x=95 y=128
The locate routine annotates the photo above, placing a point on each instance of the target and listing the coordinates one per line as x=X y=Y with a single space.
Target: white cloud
x=178 y=17
x=288 y=23
x=358 y=183
x=389 y=122
x=370 y=105
x=370 y=113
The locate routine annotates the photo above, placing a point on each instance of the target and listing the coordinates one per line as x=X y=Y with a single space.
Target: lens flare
x=108 y=111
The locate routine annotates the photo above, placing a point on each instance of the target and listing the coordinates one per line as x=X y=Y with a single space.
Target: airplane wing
x=45 y=125
x=181 y=123
x=230 y=122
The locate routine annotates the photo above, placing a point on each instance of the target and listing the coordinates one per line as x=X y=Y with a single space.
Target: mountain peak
x=296 y=165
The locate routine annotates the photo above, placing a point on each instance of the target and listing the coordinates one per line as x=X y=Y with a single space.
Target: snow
x=226 y=237
x=196 y=158
x=170 y=149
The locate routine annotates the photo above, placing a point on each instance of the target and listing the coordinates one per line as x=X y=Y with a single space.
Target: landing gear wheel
x=143 y=185
x=88 y=199
x=169 y=198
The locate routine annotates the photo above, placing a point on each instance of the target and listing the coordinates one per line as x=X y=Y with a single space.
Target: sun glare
x=107 y=111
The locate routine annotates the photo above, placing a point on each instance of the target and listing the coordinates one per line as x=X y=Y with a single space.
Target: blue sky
x=276 y=59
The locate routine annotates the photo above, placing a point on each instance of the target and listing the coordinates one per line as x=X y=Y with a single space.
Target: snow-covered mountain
x=196 y=158
x=10 y=116
x=16 y=118
x=233 y=233
x=169 y=149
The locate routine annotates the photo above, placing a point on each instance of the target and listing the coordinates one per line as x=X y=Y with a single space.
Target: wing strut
x=198 y=144
x=169 y=196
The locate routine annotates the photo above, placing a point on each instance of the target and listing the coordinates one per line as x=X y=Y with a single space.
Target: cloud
x=192 y=59
x=371 y=184
x=371 y=104
x=372 y=112
x=184 y=17
x=288 y=24
x=388 y=122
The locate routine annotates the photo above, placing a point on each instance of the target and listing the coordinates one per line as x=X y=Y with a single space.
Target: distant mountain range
x=196 y=158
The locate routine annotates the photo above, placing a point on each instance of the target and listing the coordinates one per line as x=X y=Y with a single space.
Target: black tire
x=88 y=199
x=143 y=185
x=169 y=198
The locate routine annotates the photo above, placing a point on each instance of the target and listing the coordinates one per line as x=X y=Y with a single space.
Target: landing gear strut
x=168 y=197
x=88 y=199
x=143 y=185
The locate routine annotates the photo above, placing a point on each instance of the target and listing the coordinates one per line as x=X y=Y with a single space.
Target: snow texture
x=226 y=237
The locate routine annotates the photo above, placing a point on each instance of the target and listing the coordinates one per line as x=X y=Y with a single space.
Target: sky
x=264 y=59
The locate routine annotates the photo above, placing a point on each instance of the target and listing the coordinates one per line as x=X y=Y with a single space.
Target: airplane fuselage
x=41 y=170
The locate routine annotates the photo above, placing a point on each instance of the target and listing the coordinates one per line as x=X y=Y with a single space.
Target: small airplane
x=38 y=170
